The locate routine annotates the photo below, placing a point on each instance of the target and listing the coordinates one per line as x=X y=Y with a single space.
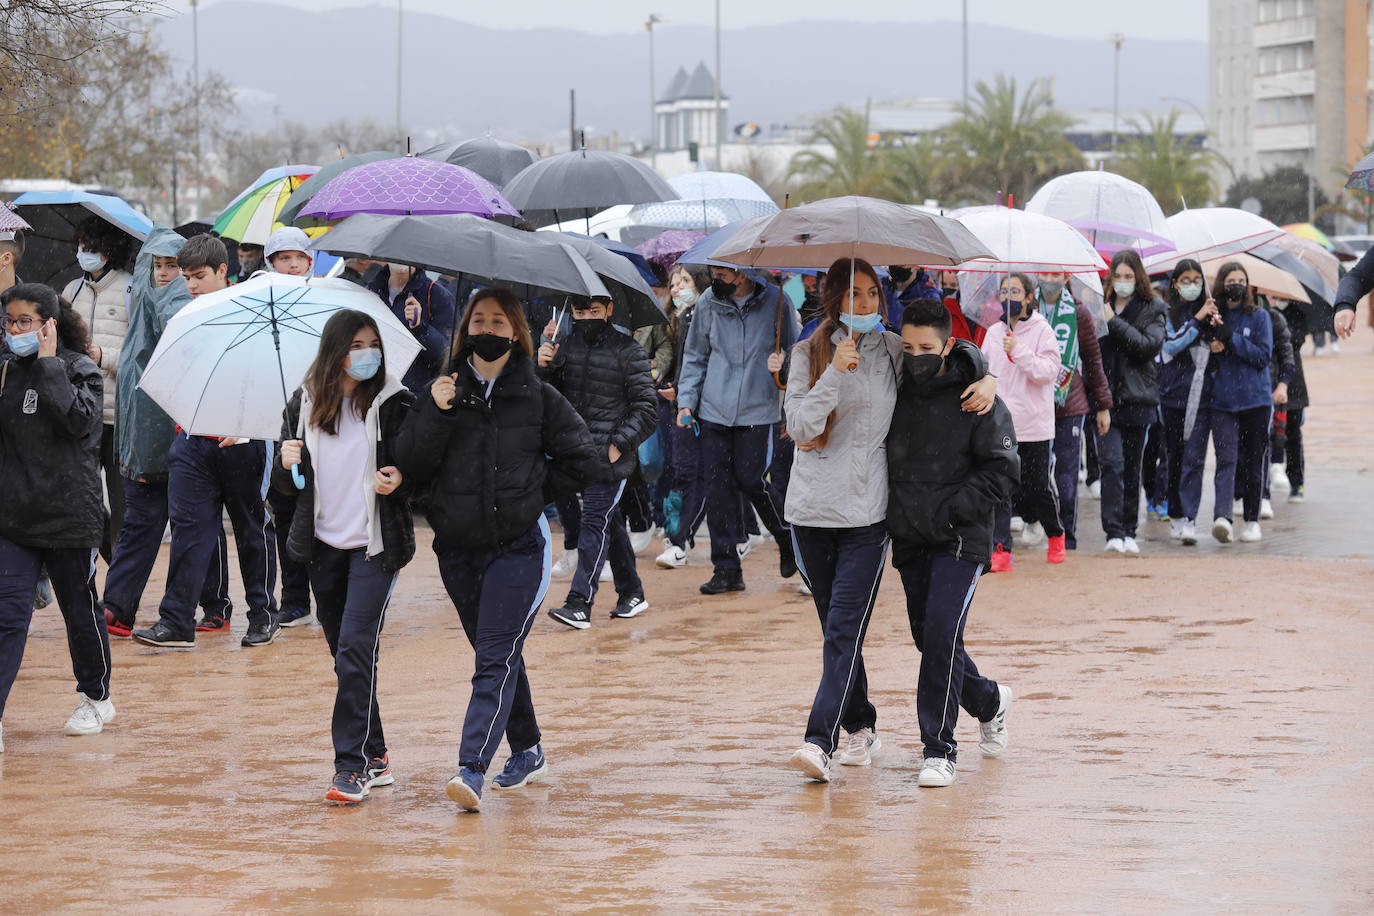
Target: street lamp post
x=400 y=19
x=965 y=53
x=654 y=19
x=1117 y=40
x=718 y=130
x=195 y=83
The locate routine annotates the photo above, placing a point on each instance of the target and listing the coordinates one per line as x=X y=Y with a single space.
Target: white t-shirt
x=341 y=474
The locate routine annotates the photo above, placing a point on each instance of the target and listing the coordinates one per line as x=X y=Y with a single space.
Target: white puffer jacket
x=104 y=306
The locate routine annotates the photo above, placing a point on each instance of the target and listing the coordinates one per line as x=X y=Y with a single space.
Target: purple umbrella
x=9 y=220
x=408 y=187
x=665 y=248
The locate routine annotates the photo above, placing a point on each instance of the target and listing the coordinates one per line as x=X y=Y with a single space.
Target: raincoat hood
x=287 y=238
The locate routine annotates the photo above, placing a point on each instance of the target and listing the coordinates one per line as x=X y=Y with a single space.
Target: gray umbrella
x=581 y=183
x=495 y=160
x=622 y=278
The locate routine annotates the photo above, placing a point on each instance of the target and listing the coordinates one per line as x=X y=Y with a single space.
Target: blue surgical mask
x=862 y=324
x=363 y=364
x=90 y=261
x=1189 y=291
x=23 y=344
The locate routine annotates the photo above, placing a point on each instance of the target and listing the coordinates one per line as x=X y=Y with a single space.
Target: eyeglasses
x=22 y=324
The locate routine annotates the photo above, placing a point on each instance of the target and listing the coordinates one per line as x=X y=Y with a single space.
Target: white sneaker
x=1335 y=346
x=1018 y=524
x=804 y=589
x=1189 y=534
x=89 y=717
x=1129 y=546
x=2 y=737
x=1221 y=530
x=747 y=547
x=1266 y=509
x=936 y=772
x=812 y=761
x=992 y=735
x=1095 y=489
x=1116 y=545
x=566 y=565
x=640 y=541
x=1033 y=535
x=1278 y=477
x=859 y=750
x=1176 y=528
x=672 y=558
x=1318 y=351
x=606 y=574
x=1251 y=533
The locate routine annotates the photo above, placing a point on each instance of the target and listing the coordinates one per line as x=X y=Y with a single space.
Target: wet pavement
x=1191 y=734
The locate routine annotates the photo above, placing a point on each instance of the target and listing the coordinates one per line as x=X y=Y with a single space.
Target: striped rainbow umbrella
x=254 y=214
x=1311 y=233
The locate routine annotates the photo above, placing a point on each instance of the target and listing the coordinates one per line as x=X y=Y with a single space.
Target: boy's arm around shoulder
x=996 y=465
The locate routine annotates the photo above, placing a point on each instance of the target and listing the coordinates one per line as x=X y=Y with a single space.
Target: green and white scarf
x=1063 y=318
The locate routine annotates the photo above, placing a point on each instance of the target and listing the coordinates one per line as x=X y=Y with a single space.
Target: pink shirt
x=1025 y=379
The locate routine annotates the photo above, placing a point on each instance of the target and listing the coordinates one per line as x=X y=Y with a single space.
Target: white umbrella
x=1110 y=210
x=1212 y=232
x=226 y=363
x=709 y=200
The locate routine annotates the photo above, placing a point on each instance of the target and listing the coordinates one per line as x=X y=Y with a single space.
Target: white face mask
x=684 y=298
x=1124 y=288
x=90 y=261
x=1189 y=291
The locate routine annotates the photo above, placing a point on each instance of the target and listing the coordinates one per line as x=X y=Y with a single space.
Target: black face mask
x=722 y=289
x=949 y=292
x=489 y=347
x=591 y=329
x=922 y=367
x=899 y=274
x=1235 y=291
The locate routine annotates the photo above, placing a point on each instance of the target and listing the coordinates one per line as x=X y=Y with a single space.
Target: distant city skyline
x=1166 y=19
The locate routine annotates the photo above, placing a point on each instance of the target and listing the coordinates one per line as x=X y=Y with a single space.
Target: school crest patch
x=30 y=401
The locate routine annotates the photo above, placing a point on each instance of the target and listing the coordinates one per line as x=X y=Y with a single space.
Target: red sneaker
x=212 y=625
x=1001 y=561
x=115 y=627
x=1056 y=552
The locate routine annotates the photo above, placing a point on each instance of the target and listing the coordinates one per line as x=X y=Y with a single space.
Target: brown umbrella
x=1264 y=277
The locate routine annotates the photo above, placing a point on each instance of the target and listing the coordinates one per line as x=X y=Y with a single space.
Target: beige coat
x=104 y=306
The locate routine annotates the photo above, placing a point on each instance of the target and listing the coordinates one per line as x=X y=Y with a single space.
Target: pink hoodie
x=1025 y=380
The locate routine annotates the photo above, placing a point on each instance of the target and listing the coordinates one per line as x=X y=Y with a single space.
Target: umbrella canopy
x=463 y=244
x=708 y=201
x=578 y=184
x=621 y=248
x=700 y=253
x=622 y=277
x=1110 y=210
x=226 y=363
x=1362 y=176
x=665 y=248
x=407 y=187
x=879 y=231
x=50 y=243
x=1264 y=276
x=495 y=160
x=9 y=220
x=256 y=215
x=1314 y=267
x=1212 y=232
x=290 y=211
x=1311 y=233
x=1030 y=242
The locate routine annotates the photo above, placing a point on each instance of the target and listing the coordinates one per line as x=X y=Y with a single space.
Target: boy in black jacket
x=947 y=471
x=605 y=375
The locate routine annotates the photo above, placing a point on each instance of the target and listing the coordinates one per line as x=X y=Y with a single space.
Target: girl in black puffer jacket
x=51 y=514
x=498 y=445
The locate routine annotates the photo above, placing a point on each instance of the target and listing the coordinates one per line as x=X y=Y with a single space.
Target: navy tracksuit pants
x=205 y=480
x=1121 y=453
x=497 y=595
x=736 y=460
x=939 y=589
x=351 y=596
x=1037 y=491
x=1068 y=447
x=295 y=575
x=72 y=573
x=145 y=519
x=843 y=568
x=689 y=479
x=601 y=538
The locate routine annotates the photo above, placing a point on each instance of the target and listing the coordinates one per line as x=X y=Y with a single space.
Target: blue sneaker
x=1162 y=510
x=1152 y=512
x=466 y=789
x=521 y=769
x=294 y=616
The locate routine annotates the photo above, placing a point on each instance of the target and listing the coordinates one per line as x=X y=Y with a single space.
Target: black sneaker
x=261 y=634
x=724 y=580
x=575 y=613
x=378 y=772
x=294 y=617
x=787 y=561
x=347 y=789
x=630 y=606
x=163 y=636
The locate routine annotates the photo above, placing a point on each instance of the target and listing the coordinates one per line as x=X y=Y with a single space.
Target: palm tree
x=914 y=169
x=1006 y=141
x=851 y=167
x=1176 y=172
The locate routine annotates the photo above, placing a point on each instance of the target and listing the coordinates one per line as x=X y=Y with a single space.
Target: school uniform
x=948 y=470
x=51 y=514
x=354 y=542
x=1134 y=338
x=502 y=451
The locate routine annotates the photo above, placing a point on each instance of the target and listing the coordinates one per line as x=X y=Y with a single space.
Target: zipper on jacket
x=959 y=550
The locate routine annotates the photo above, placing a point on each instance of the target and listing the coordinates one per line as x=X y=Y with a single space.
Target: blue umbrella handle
x=297 y=477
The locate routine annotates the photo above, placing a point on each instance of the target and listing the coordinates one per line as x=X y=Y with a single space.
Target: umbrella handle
x=297 y=477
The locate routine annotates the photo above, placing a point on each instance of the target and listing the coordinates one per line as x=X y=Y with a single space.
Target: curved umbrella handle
x=297 y=477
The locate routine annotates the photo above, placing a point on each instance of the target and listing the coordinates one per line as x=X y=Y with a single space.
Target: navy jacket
x=1239 y=375
x=436 y=324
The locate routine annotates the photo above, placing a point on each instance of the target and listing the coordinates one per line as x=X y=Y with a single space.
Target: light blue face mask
x=862 y=324
x=90 y=261
x=23 y=344
x=363 y=364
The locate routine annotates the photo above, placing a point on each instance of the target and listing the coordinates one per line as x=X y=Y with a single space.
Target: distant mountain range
x=464 y=80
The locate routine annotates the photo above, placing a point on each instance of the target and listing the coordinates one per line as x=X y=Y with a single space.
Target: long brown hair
x=515 y=314
x=820 y=350
x=1248 y=304
x=1143 y=290
x=322 y=378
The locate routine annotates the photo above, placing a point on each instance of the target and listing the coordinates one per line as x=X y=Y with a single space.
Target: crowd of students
x=869 y=419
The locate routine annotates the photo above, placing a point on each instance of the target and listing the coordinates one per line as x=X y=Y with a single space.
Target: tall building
x=686 y=112
x=1290 y=85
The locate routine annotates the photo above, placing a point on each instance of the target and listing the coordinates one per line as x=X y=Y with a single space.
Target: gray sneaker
x=859 y=750
x=992 y=734
x=812 y=761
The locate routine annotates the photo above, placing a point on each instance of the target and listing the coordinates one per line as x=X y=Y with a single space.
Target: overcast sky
x=1180 y=19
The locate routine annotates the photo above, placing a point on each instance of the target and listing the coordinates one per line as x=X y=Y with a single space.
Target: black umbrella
x=495 y=160
x=197 y=226
x=621 y=276
x=308 y=188
x=581 y=183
